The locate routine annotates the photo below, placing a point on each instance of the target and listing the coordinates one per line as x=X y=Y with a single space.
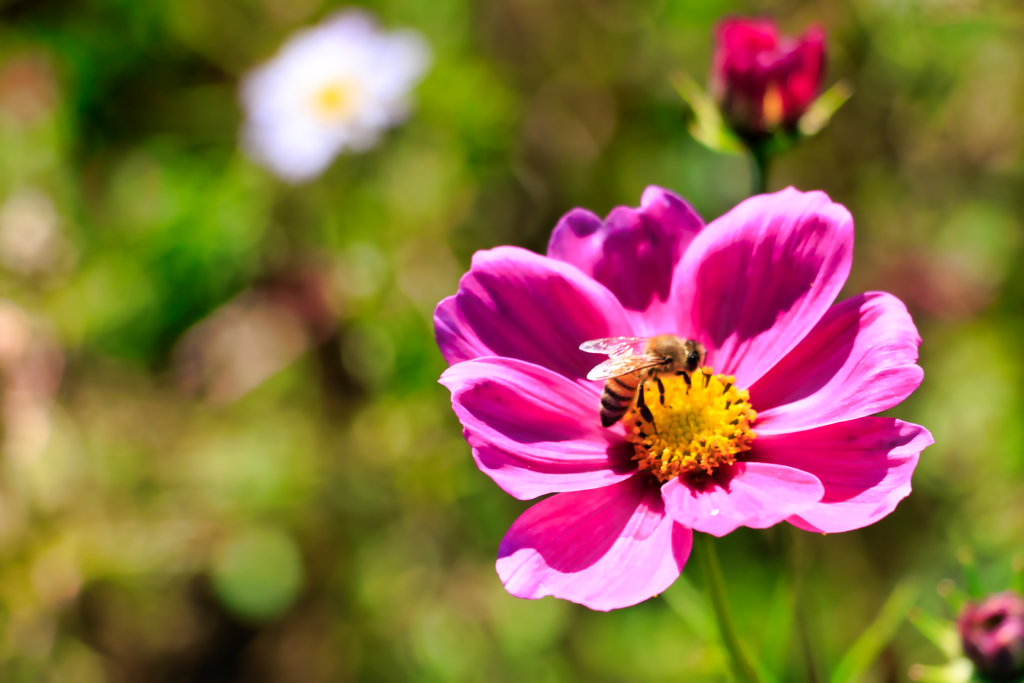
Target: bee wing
x=613 y=346
x=623 y=365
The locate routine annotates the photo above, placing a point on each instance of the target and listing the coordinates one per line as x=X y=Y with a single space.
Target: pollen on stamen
x=699 y=427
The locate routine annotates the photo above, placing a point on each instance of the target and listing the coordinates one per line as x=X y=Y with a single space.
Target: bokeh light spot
x=257 y=573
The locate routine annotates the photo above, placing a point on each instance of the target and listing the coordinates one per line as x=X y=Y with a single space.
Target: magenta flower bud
x=993 y=635
x=762 y=81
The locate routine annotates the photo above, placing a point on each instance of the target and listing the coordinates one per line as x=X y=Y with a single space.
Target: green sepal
x=709 y=128
x=706 y=126
x=822 y=109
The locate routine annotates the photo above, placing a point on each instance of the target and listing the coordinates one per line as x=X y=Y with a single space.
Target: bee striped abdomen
x=617 y=397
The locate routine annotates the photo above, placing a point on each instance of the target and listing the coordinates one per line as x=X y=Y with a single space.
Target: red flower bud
x=762 y=81
x=993 y=635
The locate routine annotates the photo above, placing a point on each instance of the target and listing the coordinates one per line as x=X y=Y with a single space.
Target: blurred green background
x=225 y=456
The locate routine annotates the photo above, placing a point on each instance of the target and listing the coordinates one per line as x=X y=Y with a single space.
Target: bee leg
x=661 y=390
x=686 y=378
x=645 y=412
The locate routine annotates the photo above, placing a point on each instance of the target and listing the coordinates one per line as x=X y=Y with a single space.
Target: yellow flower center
x=683 y=428
x=336 y=100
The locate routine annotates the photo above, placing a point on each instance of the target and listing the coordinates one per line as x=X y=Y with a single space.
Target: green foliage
x=869 y=645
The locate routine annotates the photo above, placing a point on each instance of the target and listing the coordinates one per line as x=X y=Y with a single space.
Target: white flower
x=330 y=88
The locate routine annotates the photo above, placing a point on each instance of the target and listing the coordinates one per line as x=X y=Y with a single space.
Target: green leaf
x=693 y=608
x=706 y=126
x=822 y=109
x=954 y=596
x=778 y=626
x=941 y=632
x=965 y=556
x=1017 y=582
x=873 y=640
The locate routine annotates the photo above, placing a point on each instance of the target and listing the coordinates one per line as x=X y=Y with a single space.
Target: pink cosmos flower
x=756 y=287
x=762 y=81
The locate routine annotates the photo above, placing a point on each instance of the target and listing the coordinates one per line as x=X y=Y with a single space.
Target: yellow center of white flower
x=686 y=428
x=336 y=101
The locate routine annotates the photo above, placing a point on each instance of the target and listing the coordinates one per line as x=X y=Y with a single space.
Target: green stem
x=758 y=169
x=715 y=587
x=796 y=552
x=806 y=647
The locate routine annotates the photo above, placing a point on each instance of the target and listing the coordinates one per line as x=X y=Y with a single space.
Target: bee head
x=682 y=354
x=694 y=357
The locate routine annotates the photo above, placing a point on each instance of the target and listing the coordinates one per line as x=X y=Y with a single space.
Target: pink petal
x=533 y=431
x=760 y=277
x=517 y=304
x=802 y=71
x=633 y=252
x=865 y=465
x=753 y=494
x=607 y=548
x=860 y=359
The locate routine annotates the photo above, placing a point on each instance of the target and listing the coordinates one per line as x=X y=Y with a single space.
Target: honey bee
x=626 y=371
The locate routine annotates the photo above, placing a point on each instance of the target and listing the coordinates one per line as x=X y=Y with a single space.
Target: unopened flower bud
x=993 y=635
x=763 y=81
